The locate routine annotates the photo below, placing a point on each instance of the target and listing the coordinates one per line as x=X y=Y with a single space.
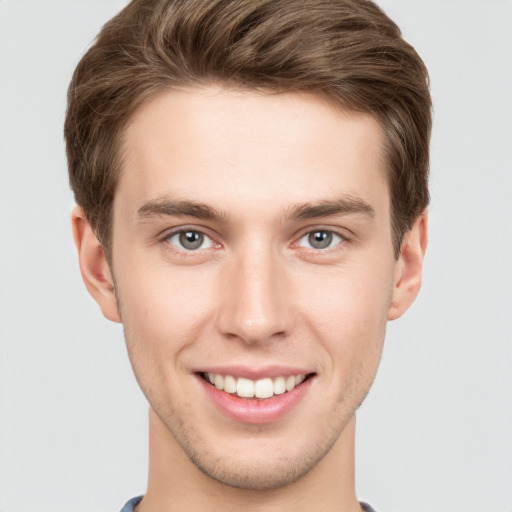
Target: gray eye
x=190 y=240
x=320 y=239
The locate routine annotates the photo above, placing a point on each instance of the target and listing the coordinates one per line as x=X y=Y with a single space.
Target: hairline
x=105 y=235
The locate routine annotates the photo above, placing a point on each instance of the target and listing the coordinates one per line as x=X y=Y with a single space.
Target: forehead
x=238 y=148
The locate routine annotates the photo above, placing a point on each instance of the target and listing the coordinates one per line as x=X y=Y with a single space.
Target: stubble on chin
x=263 y=471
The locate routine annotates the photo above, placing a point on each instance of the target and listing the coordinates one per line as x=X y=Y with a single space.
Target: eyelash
x=335 y=237
x=342 y=239
x=182 y=251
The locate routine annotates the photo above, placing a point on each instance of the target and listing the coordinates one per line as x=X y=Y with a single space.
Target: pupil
x=191 y=239
x=320 y=239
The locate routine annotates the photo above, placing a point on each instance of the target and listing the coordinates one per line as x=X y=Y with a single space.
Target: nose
x=255 y=301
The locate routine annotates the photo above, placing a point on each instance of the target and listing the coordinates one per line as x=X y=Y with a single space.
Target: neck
x=176 y=484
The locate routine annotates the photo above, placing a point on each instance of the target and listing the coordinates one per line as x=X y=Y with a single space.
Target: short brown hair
x=347 y=51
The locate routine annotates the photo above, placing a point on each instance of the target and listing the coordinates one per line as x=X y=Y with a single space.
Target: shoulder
x=364 y=506
x=130 y=505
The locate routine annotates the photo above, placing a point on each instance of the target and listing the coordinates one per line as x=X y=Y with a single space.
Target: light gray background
x=434 y=434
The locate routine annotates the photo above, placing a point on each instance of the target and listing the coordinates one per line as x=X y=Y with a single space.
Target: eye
x=190 y=240
x=320 y=239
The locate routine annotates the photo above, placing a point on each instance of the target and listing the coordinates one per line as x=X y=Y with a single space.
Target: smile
x=269 y=396
x=247 y=388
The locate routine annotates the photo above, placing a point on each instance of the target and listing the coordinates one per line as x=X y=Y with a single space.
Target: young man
x=251 y=181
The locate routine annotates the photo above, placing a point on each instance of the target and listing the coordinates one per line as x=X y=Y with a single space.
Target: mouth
x=261 y=389
x=256 y=401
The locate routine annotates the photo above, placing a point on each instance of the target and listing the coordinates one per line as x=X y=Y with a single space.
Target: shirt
x=131 y=504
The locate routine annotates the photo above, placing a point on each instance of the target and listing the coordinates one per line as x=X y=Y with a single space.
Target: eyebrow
x=343 y=206
x=166 y=207
x=304 y=211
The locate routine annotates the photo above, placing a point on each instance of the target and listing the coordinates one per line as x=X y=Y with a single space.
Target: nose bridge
x=254 y=307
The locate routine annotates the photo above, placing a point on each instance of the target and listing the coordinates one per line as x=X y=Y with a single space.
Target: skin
x=256 y=293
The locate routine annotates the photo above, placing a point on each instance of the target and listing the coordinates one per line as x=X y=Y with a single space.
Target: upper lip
x=246 y=372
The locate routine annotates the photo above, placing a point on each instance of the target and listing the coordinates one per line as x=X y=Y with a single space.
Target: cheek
x=162 y=312
x=161 y=317
x=161 y=308
x=348 y=313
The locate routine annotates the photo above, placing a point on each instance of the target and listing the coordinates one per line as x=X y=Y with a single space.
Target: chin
x=255 y=475
x=256 y=464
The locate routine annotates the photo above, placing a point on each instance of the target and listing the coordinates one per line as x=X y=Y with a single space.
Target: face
x=254 y=274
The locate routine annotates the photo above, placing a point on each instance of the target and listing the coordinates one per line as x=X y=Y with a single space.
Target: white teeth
x=229 y=384
x=290 y=383
x=264 y=388
x=247 y=388
x=219 y=381
x=279 y=386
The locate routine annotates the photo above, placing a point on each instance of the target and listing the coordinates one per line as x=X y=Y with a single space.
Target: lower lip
x=254 y=410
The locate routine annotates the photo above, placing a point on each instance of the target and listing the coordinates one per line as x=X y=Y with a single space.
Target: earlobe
x=94 y=266
x=409 y=267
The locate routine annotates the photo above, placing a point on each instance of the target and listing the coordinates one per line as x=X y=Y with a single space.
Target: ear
x=408 y=268
x=94 y=266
